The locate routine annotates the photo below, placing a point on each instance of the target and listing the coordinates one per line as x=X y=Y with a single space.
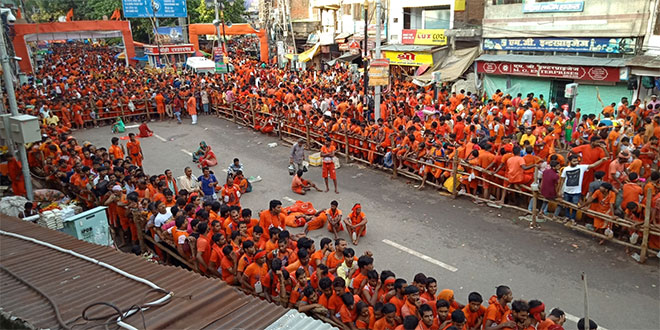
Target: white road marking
x=133 y=126
x=289 y=199
x=187 y=152
x=575 y=320
x=421 y=255
x=160 y=137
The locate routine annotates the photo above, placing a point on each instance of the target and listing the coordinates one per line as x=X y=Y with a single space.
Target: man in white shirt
x=570 y=182
x=188 y=181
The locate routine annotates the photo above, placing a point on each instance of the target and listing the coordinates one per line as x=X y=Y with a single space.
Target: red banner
x=596 y=73
x=169 y=49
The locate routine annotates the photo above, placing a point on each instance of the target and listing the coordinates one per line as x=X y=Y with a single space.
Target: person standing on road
x=208 y=183
x=134 y=150
x=204 y=97
x=191 y=106
x=327 y=153
x=297 y=155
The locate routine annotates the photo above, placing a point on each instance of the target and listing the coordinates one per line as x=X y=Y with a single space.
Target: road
x=464 y=246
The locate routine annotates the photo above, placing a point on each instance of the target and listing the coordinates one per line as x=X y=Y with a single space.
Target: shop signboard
x=169 y=49
x=574 y=45
x=379 y=72
x=433 y=37
x=557 y=71
x=409 y=58
x=154 y=8
x=553 y=7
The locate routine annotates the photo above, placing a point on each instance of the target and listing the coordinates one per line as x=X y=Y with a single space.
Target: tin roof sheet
x=547 y=59
x=73 y=284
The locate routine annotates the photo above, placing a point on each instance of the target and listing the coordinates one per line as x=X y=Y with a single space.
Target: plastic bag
x=292 y=170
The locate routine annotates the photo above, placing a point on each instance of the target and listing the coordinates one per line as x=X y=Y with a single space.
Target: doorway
x=557 y=88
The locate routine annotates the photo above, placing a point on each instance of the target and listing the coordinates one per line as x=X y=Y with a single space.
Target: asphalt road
x=464 y=246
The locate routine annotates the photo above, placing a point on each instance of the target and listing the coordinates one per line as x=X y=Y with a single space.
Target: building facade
x=540 y=47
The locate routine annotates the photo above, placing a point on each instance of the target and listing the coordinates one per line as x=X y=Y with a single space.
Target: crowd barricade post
x=139 y=223
x=454 y=174
x=254 y=119
x=121 y=107
x=309 y=146
x=535 y=197
x=146 y=108
x=232 y=111
x=348 y=154
x=645 y=230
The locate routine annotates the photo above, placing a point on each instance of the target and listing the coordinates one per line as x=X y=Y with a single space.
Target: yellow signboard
x=409 y=58
x=433 y=37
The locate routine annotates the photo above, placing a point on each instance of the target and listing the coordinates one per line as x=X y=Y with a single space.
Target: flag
x=116 y=15
x=69 y=15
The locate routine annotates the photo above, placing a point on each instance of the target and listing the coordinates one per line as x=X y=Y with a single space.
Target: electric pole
x=377 y=56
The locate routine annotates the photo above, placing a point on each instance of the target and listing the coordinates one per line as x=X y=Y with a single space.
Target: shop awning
x=306 y=55
x=408 y=48
x=141 y=59
x=563 y=60
x=452 y=67
x=644 y=65
x=347 y=57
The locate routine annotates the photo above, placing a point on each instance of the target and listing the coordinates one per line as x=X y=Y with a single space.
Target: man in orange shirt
x=134 y=150
x=388 y=321
x=273 y=217
x=116 y=150
x=251 y=280
x=498 y=308
x=474 y=312
x=327 y=153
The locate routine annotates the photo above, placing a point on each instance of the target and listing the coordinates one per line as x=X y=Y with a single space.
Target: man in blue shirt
x=208 y=183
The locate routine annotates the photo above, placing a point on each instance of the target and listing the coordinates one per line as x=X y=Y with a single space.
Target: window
x=406 y=18
x=436 y=18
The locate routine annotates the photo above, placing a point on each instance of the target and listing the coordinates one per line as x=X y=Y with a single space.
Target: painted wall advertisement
x=582 y=45
x=595 y=73
x=553 y=7
x=433 y=37
x=409 y=58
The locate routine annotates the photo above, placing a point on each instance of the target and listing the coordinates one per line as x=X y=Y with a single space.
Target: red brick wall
x=472 y=15
x=299 y=9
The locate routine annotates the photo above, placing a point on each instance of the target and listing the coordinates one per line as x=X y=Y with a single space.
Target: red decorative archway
x=194 y=30
x=69 y=30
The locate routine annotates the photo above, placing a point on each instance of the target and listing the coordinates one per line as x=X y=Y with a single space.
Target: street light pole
x=366 y=52
x=13 y=106
x=377 y=56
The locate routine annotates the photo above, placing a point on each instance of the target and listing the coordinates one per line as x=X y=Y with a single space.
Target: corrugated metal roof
x=564 y=60
x=646 y=61
x=295 y=320
x=73 y=284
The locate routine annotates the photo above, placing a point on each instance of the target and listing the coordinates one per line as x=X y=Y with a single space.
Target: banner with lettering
x=576 y=45
x=409 y=58
x=433 y=37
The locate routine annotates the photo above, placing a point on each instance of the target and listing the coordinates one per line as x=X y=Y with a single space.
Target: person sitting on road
x=301 y=186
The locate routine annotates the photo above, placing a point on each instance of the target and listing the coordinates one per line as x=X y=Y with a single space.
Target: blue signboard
x=553 y=7
x=155 y=8
x=576 y=45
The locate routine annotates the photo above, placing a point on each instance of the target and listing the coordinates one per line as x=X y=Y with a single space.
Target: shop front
x=406 y=59
x=160 y=55
x=598 y=78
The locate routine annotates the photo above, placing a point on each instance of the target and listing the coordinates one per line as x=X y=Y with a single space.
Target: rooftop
x=31 y=273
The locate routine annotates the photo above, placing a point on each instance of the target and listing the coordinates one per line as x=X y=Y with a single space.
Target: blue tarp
x=143 y=58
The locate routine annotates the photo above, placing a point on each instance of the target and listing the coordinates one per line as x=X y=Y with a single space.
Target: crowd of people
x=607 y=162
